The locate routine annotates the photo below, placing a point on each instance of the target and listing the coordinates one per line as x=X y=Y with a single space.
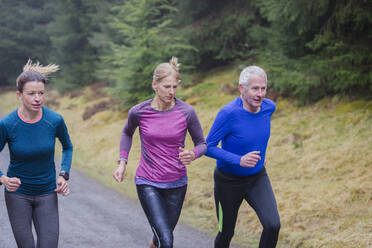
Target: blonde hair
x=43 y=70
x=35 y=72
x=163 y=70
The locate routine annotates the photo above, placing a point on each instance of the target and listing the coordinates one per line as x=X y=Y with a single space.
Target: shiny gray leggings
x=42 y=210
x=162 y=208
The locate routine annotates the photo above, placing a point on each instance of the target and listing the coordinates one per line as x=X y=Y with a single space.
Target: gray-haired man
x=243 y=128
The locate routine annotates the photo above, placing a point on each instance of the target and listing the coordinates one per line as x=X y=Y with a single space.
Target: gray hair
x=247 y=72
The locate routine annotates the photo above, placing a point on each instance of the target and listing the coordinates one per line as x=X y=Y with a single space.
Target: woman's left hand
x=186 y=156
x=63 y=187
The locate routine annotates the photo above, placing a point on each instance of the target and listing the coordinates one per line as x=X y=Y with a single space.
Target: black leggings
x=162 y=208
x=42 y=210
x=229 y=193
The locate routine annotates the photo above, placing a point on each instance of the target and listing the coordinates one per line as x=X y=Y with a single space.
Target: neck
x=254 y=111
x=160 y=105
x=29 y=115
x=249 y=108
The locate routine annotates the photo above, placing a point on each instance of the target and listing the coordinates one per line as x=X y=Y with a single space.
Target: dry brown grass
x=323 y=178
x=319 y=162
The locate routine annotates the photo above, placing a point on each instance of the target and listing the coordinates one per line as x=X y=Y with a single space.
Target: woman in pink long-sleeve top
x=161 y=177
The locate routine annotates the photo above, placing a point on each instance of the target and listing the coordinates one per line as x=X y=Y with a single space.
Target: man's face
x=253 y=93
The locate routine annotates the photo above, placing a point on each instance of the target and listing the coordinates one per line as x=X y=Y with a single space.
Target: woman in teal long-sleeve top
x=31 y=186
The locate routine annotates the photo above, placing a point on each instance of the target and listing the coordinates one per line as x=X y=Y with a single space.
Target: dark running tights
x=230 y=191
x=162 y=208
x=42 y=210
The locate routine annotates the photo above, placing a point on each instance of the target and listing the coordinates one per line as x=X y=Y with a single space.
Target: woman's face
x=166 y=88
x=32 y=96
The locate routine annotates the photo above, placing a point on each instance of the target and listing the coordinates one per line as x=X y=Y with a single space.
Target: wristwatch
x=65 y=175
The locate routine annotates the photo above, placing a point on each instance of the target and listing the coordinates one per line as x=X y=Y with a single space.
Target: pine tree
x=22 y=31
x=69 y=33
x=319 y=47
x=145 y=36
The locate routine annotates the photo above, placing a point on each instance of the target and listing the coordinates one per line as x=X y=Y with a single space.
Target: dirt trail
x=97 y=216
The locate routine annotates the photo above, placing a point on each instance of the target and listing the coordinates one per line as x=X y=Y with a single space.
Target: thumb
x=15 y=180
x=18 y=180
x=181 y=149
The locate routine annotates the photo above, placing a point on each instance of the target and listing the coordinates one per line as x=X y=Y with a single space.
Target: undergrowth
x=319 y=161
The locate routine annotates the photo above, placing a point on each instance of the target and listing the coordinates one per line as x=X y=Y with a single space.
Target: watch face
x=65 y=175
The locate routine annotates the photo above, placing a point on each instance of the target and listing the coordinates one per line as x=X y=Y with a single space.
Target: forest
x=310 y=48
x=318 y=57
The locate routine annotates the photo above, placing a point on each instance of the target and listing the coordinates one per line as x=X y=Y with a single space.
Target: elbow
x=69 y=147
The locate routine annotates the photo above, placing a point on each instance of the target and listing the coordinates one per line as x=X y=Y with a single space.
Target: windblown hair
x=163 y=70
x=35 y=72
x=247 y=72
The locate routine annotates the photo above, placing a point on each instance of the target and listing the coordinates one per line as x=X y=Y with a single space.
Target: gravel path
x=97 y=216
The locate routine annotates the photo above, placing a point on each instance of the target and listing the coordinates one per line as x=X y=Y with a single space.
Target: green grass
x=319 y=160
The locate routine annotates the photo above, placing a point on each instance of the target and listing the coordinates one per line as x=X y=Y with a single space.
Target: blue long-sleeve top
x=240 y=132
x=31 y=148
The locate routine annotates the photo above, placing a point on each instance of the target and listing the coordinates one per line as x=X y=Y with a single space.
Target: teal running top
x=31 y=148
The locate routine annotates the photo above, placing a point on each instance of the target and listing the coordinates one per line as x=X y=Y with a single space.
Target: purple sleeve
x=127 y=134
x=196 y=132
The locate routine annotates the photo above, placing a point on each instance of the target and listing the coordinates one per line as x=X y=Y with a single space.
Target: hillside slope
x=319 y=161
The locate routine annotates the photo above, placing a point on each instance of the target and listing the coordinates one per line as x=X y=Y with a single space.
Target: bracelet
x=122 y=159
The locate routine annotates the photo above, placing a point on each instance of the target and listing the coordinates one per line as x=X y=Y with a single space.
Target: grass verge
x=319 y=161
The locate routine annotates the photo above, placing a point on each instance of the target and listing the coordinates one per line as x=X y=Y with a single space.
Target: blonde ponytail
x=43 y=70
x=174 y=63
x=35 y=72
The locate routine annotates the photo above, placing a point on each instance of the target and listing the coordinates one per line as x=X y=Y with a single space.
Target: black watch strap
x=65 y=175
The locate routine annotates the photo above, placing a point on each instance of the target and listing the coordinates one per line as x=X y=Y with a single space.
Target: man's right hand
x=250 y=159
x=10 y=183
